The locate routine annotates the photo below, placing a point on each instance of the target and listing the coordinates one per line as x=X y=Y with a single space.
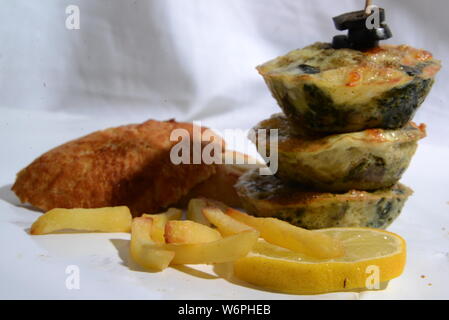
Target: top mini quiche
x=328 y=90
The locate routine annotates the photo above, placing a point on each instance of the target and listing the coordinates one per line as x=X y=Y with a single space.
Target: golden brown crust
x=128 y=165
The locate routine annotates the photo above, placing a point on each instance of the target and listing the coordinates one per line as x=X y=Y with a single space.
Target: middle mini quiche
x=364 y=160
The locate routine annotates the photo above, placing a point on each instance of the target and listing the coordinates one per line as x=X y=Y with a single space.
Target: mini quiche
x=364 y=160
x=268 y=196
x=328 y=90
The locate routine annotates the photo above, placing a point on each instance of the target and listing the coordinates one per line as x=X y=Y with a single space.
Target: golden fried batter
x=128 y=165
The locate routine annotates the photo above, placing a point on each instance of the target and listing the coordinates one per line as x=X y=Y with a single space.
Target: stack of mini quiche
x=345 y=136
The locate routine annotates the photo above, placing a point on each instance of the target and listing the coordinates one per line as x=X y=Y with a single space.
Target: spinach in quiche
x=363 y=160
x=269 y=196
x=326 y=90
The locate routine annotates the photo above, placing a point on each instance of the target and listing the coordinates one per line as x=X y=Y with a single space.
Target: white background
x=189 y=60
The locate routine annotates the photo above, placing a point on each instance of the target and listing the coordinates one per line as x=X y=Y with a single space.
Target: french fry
x=157 y=256
x=196 y=206
x=223 y=250
x=144 y=250
x=225 y=224
x=286 y=235
x=159 y=221
x=109 y=219
x=189 y=232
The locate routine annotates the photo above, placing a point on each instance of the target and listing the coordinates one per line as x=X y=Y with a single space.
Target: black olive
x=365 y=39
x=361 y=39
x=359 y=36
x=309 y=69
x=341 y=41
x=355 y=19
x=382 y=33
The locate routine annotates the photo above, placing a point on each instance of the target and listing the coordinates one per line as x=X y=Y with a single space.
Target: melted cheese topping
x=351 y=76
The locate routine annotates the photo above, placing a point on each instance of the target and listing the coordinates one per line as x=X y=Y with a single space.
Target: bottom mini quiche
x=268 y=196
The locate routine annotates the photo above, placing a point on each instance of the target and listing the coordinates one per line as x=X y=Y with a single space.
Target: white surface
x=193 y=60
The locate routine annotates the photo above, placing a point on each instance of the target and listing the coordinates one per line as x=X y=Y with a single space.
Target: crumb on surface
x=423 y=276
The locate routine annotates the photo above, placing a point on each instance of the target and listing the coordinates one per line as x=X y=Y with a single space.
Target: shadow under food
x=194 y=272
x=122 y=247
x=7 y=195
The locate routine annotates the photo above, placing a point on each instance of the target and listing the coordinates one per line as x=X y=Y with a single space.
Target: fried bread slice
x=127 y=165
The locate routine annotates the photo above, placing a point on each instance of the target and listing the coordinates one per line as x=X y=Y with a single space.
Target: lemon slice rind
x=383 y=258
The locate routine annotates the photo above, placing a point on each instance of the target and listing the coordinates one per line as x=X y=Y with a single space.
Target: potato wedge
x=286 y=235
x=109 y=219
x=144 y=250
x=223 y=250
x=189 y=232
x=156 y=256
x=196 y=206
x=159 y=221
x=225 y=224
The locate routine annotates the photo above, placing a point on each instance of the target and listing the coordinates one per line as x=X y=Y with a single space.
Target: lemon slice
x=372 y=256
